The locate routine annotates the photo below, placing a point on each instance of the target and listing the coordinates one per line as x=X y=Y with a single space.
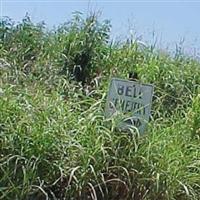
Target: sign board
x=133 y=100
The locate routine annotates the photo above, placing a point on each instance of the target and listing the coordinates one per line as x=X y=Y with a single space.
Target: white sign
x=133 y=100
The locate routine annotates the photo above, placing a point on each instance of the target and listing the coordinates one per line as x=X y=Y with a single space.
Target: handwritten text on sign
x=131 y=98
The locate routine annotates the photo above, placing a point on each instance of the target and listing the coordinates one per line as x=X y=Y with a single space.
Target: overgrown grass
x=55 y=142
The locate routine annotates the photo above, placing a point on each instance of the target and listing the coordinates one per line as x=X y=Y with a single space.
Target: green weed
x=55 y=142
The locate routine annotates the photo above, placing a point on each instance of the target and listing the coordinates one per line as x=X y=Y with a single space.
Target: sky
x=168 y=22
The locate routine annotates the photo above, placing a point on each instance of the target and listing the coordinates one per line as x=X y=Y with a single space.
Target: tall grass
x=55 y=142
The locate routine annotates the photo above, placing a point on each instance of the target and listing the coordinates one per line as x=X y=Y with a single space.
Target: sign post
x=132 y=99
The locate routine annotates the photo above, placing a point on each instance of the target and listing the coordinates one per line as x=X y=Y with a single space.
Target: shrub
x=84 y=46
x=23 y=42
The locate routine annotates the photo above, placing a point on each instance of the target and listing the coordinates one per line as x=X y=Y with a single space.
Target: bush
x=23 y=43
x=85 y=42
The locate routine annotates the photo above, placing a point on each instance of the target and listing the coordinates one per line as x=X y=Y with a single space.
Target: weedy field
x=55 y=142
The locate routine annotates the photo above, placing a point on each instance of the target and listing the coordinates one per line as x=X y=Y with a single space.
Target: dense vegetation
x=55 y=142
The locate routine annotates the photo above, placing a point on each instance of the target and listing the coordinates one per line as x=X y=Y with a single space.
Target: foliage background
x=55 y=142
